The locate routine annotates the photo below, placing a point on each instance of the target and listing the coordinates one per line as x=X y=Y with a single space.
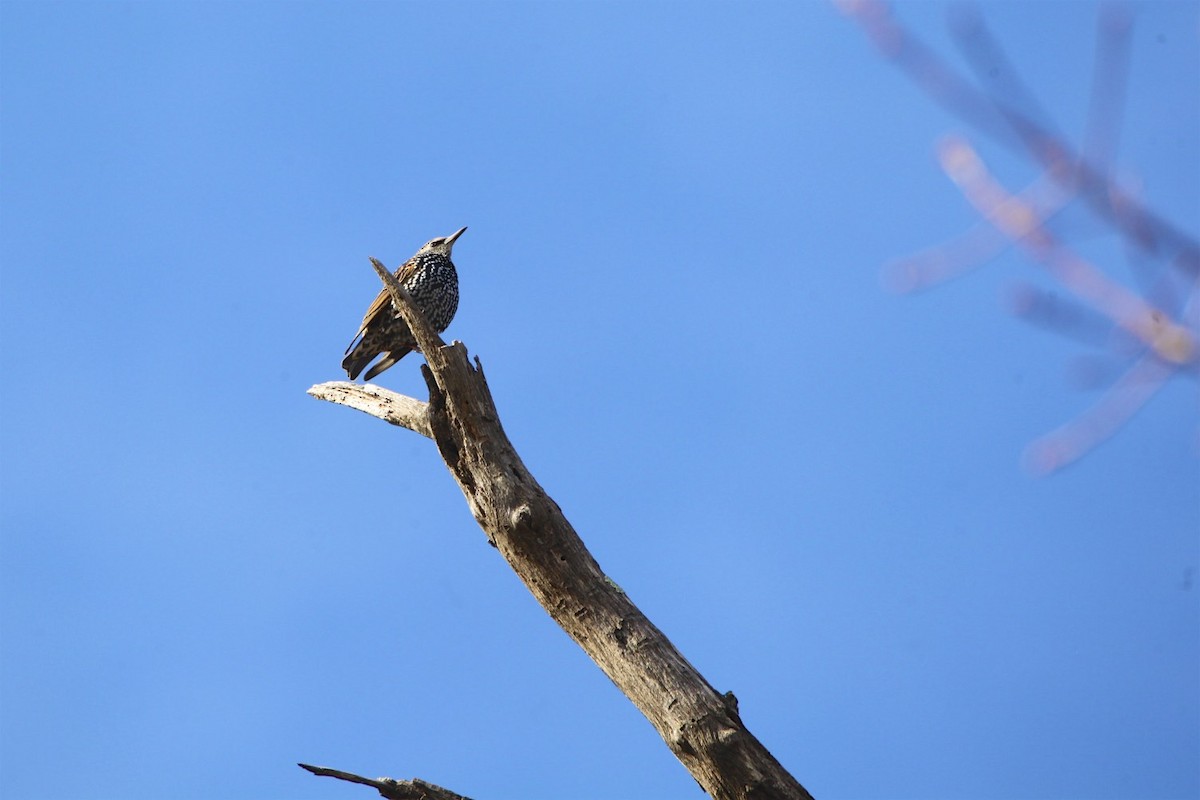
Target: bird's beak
x=450 y=240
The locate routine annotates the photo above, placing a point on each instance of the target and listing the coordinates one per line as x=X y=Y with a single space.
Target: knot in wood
x=727 y=735
x=731 y=704
x=521 y=518
x=620 y=635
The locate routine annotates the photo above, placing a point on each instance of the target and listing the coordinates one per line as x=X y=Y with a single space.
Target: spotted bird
x=431 y=280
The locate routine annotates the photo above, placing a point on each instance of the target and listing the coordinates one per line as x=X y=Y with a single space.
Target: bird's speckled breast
x=434 y=287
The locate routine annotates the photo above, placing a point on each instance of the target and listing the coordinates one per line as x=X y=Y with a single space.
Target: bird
x=431 y=280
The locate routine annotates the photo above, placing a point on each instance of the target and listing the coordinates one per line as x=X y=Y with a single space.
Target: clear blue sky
x=678 y=213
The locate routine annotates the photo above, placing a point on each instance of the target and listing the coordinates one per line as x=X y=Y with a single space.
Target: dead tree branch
x=700 y=725
x=398 y=409
x=390 y=788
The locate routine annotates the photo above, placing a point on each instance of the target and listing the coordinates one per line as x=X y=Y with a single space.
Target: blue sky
x=678 y=214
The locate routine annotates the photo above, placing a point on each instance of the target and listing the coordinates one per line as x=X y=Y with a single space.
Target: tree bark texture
x=699 y=724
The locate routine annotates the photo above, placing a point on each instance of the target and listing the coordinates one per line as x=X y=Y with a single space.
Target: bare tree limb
x=392 y=789
x=398 y=409
x=700 y=725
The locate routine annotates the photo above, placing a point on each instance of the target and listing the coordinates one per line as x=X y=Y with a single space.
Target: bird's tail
x=386 y=362
x=354 y=363
x=359 y=357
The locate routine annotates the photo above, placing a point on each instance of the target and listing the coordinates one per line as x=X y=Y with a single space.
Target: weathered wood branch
x=398 y=409
x=392 y=789
x=700 y=725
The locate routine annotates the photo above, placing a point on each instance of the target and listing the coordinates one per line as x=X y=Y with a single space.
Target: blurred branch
x=1023 y=224
x=1069 y=442
x=1002 y=106
x=700 y=725
x=998 y=118
x=1110 y=70
x=981 y=243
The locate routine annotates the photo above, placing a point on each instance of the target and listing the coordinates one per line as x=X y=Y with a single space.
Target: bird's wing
x=383 y=301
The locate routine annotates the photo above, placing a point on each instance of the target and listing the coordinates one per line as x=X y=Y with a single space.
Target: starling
x=430 y=279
